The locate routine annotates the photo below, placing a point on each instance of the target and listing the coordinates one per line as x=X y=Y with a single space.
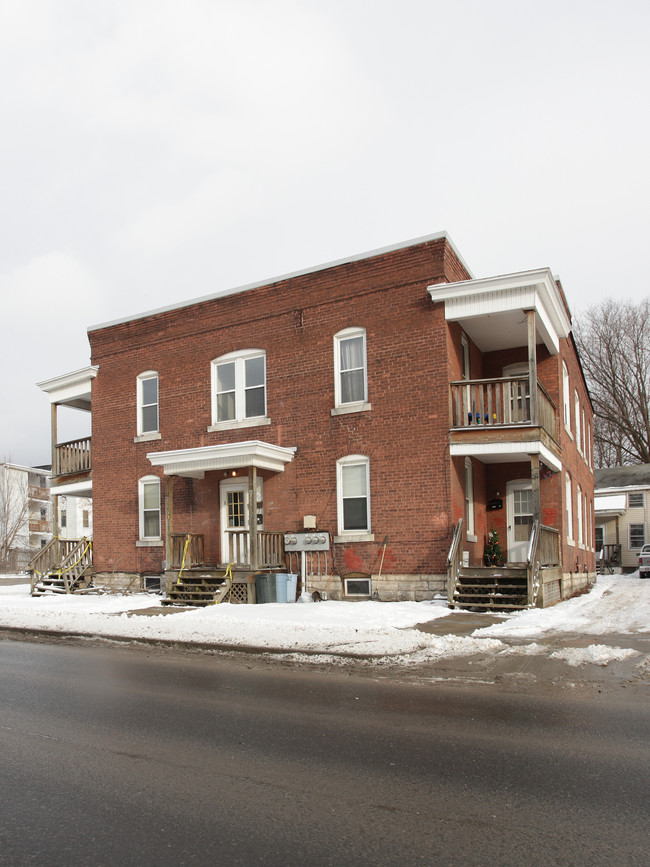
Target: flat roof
x=313 y=270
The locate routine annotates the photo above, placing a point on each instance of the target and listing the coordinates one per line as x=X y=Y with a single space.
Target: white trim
x=148 y=437
x=73 y=489
x=258 y=421
x=227 y=456
x=148 y=480
x=352 y=534
x=358 y=257
x=349 y=334
x=72 y=388
x=361 y=406
x=501 y=452
x=239 y=360
x=146 y=376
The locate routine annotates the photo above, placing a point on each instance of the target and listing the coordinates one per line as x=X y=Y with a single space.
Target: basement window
x=357 y=587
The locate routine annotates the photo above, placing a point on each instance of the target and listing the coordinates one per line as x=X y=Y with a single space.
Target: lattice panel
x=239 y=593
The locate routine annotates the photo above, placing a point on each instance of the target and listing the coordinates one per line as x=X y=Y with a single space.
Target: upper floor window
x=351 y=379
x=353 y=489
x=239 y=388
x=149 y=508
x=147 y=403
x=635 y=500
x=577 y=414
x=566 y=396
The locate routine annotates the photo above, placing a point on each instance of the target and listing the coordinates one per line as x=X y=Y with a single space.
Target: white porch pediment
x=194 y=463
x=492 y=309
x=507 y=452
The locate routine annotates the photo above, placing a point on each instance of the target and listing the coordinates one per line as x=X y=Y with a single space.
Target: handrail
x=533 y=565
x=454 y=559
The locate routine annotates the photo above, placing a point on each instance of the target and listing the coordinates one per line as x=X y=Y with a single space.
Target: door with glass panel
x=519 y=501
x=234 y=513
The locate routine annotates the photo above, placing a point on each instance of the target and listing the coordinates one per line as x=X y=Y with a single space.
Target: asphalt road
x=118 y=756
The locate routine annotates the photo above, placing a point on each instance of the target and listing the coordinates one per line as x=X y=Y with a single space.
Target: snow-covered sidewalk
x=382 y=631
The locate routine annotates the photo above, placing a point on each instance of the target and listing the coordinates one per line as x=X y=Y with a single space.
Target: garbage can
x=265 y=587
x=285 y=586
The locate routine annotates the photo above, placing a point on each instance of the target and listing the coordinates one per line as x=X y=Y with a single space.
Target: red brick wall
x=405 y=435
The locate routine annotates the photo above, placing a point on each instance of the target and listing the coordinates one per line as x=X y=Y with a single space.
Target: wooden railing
x=187 y=550
x=270 y=548
x=38 y=493
x=39 y=525
x=70 y=556
x=549 y=546
x=503 y=401
x=72 y=457
x=543 y=550
x=454 y=558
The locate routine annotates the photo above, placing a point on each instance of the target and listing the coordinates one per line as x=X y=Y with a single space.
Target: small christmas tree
x=493 y=555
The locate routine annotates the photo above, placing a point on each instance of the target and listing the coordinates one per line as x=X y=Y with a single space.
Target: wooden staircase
x=63 y=566
x=490 y=588
x=198 y=588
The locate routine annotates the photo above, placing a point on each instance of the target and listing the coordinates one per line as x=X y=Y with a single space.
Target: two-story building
x=389 y=403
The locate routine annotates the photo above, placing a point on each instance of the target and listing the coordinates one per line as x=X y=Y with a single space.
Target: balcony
x=500 y=403
x=72 y=458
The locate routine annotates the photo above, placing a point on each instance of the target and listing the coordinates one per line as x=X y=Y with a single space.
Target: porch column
x=169 y=520
x=55 y=470
x=252 y=516
x=532 y=364
x=534 y=478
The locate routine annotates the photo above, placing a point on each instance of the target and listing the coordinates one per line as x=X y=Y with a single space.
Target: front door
x=234 y=519
x=519 y=498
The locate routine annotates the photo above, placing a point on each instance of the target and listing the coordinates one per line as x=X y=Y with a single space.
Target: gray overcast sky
x=154 y=151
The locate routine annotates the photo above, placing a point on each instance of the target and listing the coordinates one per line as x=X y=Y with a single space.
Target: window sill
x=571 y=542
x=361 y=406
x=148 y=437
x=355 y=537
x=471 y=538
x=235 y=425
x=149 y=543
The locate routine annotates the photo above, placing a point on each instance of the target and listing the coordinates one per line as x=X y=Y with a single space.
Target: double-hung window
x=147 y=395
x=353 y=490
x=149 y=508
x=636 y=536
x=350 y=371
x=239 y=389
x=566 y=397
x=568 y=495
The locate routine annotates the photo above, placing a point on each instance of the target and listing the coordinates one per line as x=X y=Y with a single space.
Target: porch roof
x=227 y=456
x=506 y=452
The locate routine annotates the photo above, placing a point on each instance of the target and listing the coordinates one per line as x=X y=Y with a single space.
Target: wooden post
x=54 y=498
x=532 y=365
x=169 y=520
x=252 y=516
x=534 y=478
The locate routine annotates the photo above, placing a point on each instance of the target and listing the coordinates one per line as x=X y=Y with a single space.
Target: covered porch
x=216 y=525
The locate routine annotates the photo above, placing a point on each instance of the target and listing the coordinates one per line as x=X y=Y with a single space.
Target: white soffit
x=73 y=489
x=504 y=453
x=71 y=389
x=492 y=310
x=228 y=456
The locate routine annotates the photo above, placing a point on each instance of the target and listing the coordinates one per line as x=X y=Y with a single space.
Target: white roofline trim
x=73 y=489
x=226 y=456
x=66 y=379
x=525 y=449
x=358 y=257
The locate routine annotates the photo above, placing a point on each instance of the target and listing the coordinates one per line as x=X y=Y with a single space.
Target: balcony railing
x=270 y=548
x=501 y=402
x=72 y=457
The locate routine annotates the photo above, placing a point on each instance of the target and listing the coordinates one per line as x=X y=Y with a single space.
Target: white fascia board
x=609 y=502
x=621 y=489
x=73 y=489
x=524 y=290
x=505 y=450
x=70 y=386
x=359 y=257
x=227 y=456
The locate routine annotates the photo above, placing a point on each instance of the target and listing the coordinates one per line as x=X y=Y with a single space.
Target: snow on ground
x=381 y=631
x=615 y=604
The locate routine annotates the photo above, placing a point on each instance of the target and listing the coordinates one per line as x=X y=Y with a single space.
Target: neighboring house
x=380 y=401
x=25 y=514
x=75 y=517
x=622 y=505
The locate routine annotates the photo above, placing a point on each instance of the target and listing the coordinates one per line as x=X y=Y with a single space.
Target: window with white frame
x=566 y=395
x=239 y=388
x=635 y=500
x=577 y=414
x=580 y=509
x=353 y=490
x=351 y=378
x=147 y=390
x=569 y=507
x=149 y=508
x=469 y=498
x=636 y=536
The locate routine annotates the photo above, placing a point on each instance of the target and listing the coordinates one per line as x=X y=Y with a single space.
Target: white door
x=519 y=504
x=233 y=498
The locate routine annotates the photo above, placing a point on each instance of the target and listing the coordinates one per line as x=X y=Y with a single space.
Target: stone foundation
x=387 y=588
x=122 y=582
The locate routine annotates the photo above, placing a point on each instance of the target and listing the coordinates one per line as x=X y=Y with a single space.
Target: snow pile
x=595 y=654
x=617 y=604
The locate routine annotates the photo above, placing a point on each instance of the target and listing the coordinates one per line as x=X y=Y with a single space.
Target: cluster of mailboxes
x=313 y=541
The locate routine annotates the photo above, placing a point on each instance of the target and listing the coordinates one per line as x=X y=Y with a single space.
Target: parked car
x=644 y=562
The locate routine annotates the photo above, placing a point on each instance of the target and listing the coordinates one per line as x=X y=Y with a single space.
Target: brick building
x=378 y=400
